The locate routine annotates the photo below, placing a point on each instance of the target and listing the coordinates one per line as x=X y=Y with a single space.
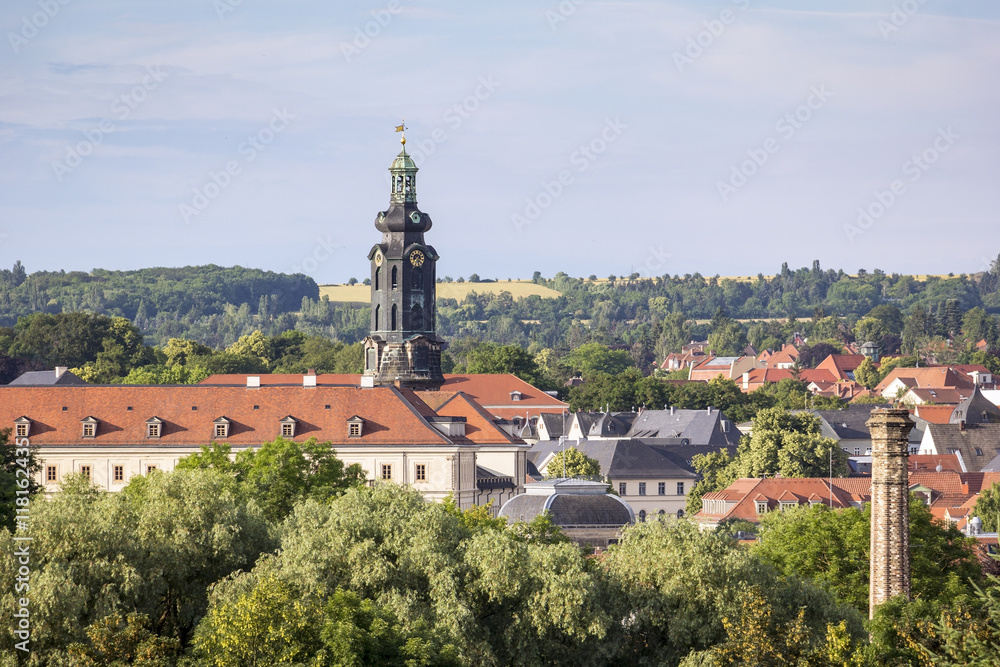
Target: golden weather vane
x=402 y=128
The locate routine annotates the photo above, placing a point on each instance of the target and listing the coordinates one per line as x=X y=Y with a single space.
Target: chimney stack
x=890 y=526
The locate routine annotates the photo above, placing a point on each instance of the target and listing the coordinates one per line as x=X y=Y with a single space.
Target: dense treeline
x=216 y=305
x=99 y=323
x=284 y=556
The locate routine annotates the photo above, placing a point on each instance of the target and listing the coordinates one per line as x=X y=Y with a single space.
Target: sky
x=663 y=137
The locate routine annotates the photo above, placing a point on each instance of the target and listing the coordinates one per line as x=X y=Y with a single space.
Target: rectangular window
x=50 y=473
x=661 y=488
x=119 y=473
x=642 y=488
x=857 y=451
x=220 y=430
x=85 y=471
x=22 y=430
x=153 y=430
x=420 y=473
x=386 y=471
x=355 y=430
x=150 y=469
x=621 y=488
x=287 y=430
x=88 y=430
x=680 y=488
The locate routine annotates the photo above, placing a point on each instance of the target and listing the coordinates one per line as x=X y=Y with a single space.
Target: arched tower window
x=395 y=278
x=378 y=277
x=417 y=318
x=378 y=317
x=393 y=327
x=418 y=279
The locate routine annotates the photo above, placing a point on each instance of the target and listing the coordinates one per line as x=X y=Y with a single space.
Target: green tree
x=788 y=444
x=714 y=474
x=19 y=467
x=866 y=373
x=281 y=472
x=116 y=641
x=830 y=547
x=591 y=358
x=677 y=584
x=577 y=464
x=987 y=508
x=491 y=358
x=255 y=346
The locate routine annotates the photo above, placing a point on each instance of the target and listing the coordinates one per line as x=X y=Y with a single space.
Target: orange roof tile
x=188 y=413
x=491 y=391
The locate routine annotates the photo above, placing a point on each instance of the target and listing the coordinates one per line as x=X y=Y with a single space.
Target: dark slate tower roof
x=403 y=348
x=572 y=503
x=976 y=409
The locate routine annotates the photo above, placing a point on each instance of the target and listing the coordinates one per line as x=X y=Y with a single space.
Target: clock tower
x=402 y=348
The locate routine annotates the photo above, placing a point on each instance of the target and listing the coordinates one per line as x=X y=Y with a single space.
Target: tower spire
x=403 y=347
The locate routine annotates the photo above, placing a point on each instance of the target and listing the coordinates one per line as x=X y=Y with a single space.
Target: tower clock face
x=378 y=259
x=417 y=258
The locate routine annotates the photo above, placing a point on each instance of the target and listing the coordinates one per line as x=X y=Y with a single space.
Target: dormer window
x=516 y=395
x=288 y=427
x=89 y=425
x=220 y=428
x=761 y=506
x=22 y=427
x=154 y=427
x=355 y=427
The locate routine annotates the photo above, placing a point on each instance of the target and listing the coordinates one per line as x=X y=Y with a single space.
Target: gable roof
x=952 y=438
x=924 y=376
x=940 y=395
x=842 y=366
x=850 y=423
x=699 y=427
x=935 y=414
x=619 y=459
x=46 y=379
x=480 y=427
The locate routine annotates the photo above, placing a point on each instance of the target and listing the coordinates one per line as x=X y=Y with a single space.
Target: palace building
x=402 y=420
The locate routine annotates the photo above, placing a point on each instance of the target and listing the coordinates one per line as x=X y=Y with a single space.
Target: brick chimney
x=890 y=527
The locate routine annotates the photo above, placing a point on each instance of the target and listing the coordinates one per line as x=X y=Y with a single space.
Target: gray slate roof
x=626 y=458
x=850 y=423
x=976 y=409
x=553 y=423
x=700 y=427
x=949 y=438
x=612 y=424
x=46 y=379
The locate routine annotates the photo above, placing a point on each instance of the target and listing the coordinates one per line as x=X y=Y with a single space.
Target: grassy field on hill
x=518 y=288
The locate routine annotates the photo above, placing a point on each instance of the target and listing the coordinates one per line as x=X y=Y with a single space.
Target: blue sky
x=721 y=137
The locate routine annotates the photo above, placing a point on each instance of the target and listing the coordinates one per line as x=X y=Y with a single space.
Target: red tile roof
x=491 y=391
x=479 y=426
x=188 y=413
x=933 y=376
x=840 y=365
x=935 y=414
x=950 y=489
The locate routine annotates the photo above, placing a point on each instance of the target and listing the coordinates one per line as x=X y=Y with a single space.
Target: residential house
x=973 y=433
x=842 y=366
x=786 y=357
x=730 y=368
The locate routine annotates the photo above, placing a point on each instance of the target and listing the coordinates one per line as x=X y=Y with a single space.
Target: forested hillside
x=641 y=318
